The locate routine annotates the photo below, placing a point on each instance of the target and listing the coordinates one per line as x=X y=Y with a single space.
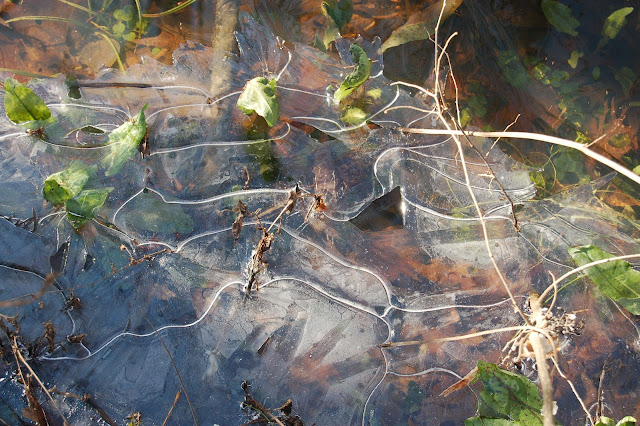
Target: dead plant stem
x=175 y=366
x=535 y=341
x=19 y=356
x=584 y=149
x=541 y=362
x=175 y=401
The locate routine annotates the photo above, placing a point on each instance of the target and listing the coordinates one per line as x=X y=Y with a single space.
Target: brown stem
x=541 y=362
x=18 y=355
x=223 y=41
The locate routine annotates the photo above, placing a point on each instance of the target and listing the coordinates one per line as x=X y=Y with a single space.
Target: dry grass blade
x=49 y=279
x=20 y=359
x=175 y=367
x=175 y=401
x=464 y=382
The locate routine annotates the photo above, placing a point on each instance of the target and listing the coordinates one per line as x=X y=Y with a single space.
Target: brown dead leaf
x=464 y=382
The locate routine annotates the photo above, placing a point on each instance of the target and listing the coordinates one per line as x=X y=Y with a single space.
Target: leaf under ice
x=82 y=208
x=616 y=279
x=22 y=104
x=124 y=142
x=259 y=96
x=510 y=396
x=66 y=184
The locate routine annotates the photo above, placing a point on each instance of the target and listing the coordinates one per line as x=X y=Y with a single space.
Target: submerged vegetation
x=394 y=245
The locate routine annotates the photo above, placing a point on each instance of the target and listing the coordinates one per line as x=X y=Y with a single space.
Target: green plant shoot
x=259 y=96
x=66 y=184
x=124 y=142
x=358 y=76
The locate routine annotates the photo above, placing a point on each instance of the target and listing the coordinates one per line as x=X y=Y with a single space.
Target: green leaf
x=82 y=208
x=259 y=96
x=22 y=104
x=127 y=13
x=616 y=279
x=607 y=421
x=120 y=15
x=129 y=36
x=620 y=140
x=339 y=12
x=374 y=93
x=627 y=421
x=124 y=142
x=423 y=27
x=487 y=421
x=358 y=76
x=506 y=395
x=596 y=73
x=411 y=32
x=540 y=72
x=466 y=115
x=573 y=60
x=614 y=22
x=66 y=184
x=118 y=28
x=512 y=68
x=559 y=15
x=329 y=36
x=557 y=77
x=626 y=77
x=354 y=115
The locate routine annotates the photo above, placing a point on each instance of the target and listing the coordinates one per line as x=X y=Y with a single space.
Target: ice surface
x=160 y=265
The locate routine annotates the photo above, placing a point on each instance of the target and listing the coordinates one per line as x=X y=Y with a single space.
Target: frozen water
x=331 y=294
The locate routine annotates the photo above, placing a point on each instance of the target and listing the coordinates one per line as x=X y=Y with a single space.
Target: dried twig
x=538 y=318
x=86 y=398
x=257 y=263
x=36 y=412
x=49 y=279
x=175 y=401
x=175 y=367
x=20 y=358
x=584 y=149
x=24 y=223
x=250 y=402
